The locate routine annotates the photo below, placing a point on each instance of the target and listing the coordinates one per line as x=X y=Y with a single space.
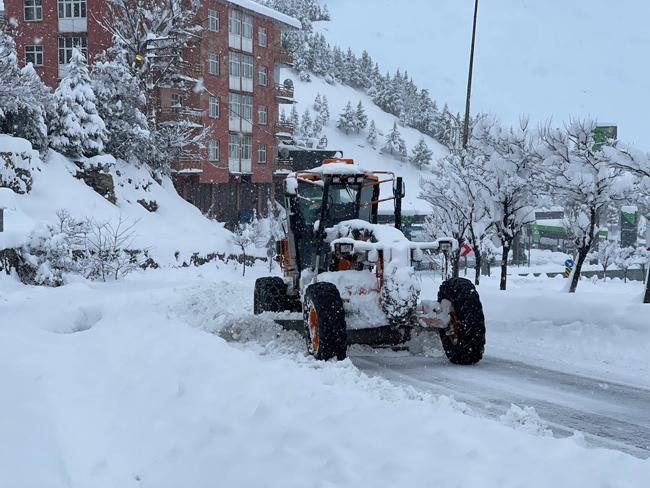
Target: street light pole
x=646 y=299
x=469 y=80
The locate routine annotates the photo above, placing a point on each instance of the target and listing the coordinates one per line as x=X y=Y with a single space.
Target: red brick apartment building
x=239 y=60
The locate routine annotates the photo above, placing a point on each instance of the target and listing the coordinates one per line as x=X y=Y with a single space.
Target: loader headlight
x=346 y=248
x=445 y=246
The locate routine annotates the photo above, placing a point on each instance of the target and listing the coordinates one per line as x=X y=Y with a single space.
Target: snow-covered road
x=609 y=414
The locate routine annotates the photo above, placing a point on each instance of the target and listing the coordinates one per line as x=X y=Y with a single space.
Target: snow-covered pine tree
x=306 y=124
x=360 y=118
x=78 y=130
x=121 y=104
x=372 y=134
x=366 y=66
x=422 y=155
x=25 y=103
x=318 y=104
x=347 y=119
x=394 y=144
x=325 y=111
x=294 y=118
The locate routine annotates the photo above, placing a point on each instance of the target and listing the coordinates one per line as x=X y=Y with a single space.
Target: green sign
x=604 y=133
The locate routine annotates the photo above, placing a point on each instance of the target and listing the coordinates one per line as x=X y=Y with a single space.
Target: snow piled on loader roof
x=332 y=169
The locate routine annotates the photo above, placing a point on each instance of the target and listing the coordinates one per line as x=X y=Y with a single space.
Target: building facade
x=239 y=60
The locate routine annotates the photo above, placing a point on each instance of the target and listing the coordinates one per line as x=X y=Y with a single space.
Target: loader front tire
x=464 y=340
x=325 y=322
x=270 y=295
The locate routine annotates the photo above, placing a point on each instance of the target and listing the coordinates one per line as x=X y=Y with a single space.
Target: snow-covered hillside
x=546 y=59
x=356 y=146
x=175 y=226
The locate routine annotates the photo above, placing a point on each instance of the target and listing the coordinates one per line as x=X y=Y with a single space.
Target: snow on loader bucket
x=352 y=279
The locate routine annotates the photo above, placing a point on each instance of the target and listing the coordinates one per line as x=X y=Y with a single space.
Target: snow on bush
x=16 y=164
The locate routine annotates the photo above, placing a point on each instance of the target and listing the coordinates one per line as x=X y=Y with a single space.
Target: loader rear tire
x=464 y=343
x=325 y=322
x=270 y=295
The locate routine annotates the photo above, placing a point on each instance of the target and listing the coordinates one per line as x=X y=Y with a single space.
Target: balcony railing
x=192 y=70
x=181 y=112
x=283 y=57
x=284 y=92
x=188 y=166
x=284 y=130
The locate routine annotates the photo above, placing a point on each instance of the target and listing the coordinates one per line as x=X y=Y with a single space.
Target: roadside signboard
x=629 y=226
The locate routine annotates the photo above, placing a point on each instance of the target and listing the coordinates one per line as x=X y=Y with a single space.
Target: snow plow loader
x=353 y=280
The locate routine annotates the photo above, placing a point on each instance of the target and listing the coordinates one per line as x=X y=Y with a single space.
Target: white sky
x=551 y=58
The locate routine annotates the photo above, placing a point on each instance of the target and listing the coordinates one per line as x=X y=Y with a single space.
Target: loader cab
x=325 y=197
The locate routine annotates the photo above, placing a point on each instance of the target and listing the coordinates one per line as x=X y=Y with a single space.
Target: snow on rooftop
x=253 y=6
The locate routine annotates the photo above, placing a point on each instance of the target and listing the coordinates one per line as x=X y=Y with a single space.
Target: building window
x=213 y=150
x=213 y=64
x=233 y=147
x=72 y=9
x=176 y=100
x=34 y=55
x=213 y=20
x=214 y=108
x=67 y=44
x=234 y=106
x=261 y=154
x=33 y=9
x=240 y=31
x=263 y=114
x=235 y=22
x=262 y=76
x=241 y=72
x=247 y=147
x=247 y=108
x=262 y=40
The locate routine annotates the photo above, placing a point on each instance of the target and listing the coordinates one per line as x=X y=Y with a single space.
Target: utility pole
x=469 y=80
x=647 y=278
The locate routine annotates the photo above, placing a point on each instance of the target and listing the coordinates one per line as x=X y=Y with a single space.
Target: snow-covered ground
x=126 y=384
x=551 y=59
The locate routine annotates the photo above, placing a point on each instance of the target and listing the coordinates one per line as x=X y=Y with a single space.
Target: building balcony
x=192 y=70
x=73 y=25
x=284 y=131
x=282 y=57
x=180 y=113
x=284 y=93
x=188 y=166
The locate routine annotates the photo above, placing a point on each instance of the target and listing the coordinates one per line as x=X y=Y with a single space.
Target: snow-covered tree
x=243 y=238
x=625 y=259
x=422 y=155
x=318 y=104
x=306 y=124
x=372 y=134
x=360 y=118
x=78 y=130
x=607 y=252
x=324 y=114
x=25 y=103
x=510 y=180
x=458 y=199
x=121 y=104
x=394 y=144
x=347 y=119
x=294 y=118
x=154 y=37
x=585 y=180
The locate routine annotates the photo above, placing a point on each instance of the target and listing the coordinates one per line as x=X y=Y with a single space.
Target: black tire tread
x=331 y=317
x=270 y=295
x=471 y=335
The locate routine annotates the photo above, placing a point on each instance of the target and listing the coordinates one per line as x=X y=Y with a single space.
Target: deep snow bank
x=176 y=226
x=109 y=385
